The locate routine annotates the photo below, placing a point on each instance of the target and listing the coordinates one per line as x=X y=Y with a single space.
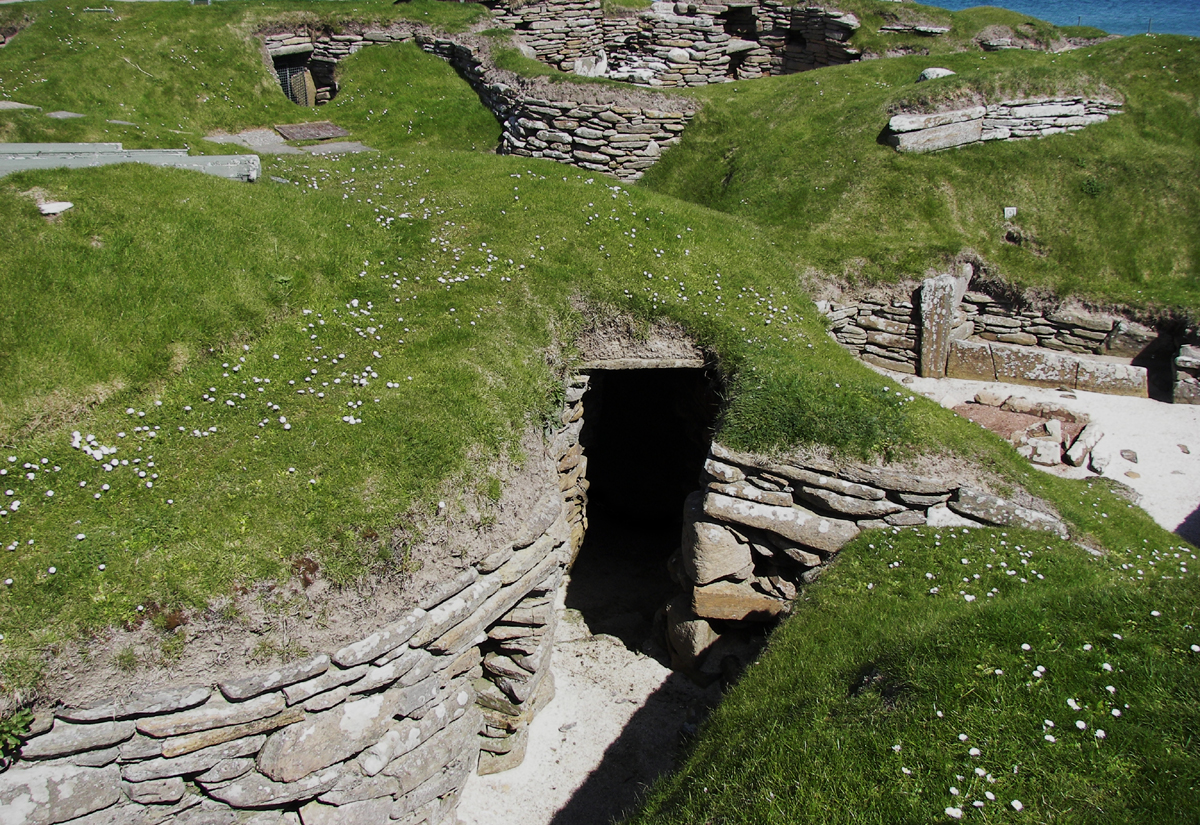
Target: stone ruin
x=944 y=329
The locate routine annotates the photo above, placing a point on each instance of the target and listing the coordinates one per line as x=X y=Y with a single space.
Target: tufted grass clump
x=985 y=675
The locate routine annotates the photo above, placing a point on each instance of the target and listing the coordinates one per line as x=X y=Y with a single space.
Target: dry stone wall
x=943 y=329
x=559 y=32
x=1007 y=120
x=1187 y=374
x=384 y=729
x=760 y=529
x=594 y=128
x=691 y=44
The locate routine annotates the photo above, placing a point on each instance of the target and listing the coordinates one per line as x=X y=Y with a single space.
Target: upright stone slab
x=937 y=324
x=1034 y=367
x=971 y=360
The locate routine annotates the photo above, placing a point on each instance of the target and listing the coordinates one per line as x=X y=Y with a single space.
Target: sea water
x=1114 y=16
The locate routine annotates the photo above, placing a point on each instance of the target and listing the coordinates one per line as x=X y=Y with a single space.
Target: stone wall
x=592 y=127
x=690 y=44
x=560 y=32
x=1187 y=374
x=944 y=329
x=386 y=728
x=1007 y=120
x=760 y=529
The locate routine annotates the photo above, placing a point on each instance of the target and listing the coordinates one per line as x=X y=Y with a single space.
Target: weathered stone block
x=329 y=737
x=65 y=738
x=937 y=324
x=289 y=674
x=192 y=763
x=688 y=635
x=179 y=745
x=367 y=812
x=796 y=523
x=1035 y=367
x=938 y=137
x=213 y=714
x=330 y=679
x=727 y=600
x=1113 y=378
x=43 y=794
x=253 y=790
x=156 y=791
x=383 y=641
x=971 y=360
x=848 y=505
x=163 y=701
x=995 y=510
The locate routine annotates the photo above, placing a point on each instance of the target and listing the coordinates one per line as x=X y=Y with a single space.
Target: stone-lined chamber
x=597 y=128
x=945 y=329
x=385 y=729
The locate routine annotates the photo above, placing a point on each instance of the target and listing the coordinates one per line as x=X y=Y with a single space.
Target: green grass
x=799 y=154
x=178 y=74
x=869 y=699
x=443 y=276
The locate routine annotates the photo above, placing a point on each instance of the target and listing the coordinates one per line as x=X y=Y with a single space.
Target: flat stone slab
x=122 y=123
x=12 y=105
x=322 y=130
x=55 y=207
x=266 y=141
x=330 y=737
x=62 y=115
x=150 y=704
x=338 y=148
x=734 y=602
x=48 y=793
x=65 y=738
x=995 y=510
x=796 y=523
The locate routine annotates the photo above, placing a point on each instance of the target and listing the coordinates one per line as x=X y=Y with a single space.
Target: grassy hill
x=298 y=366
x=1106 y=208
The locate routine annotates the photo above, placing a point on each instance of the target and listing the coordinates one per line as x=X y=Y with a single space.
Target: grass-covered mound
x=292 y=368
x=1106 y=212
x=178 y=74
x=983 y=675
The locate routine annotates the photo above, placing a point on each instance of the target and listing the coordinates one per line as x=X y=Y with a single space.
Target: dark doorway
x=740 y=22
x=646 y=435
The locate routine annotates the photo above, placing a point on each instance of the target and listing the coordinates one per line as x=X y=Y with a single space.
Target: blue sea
x=1114 y=16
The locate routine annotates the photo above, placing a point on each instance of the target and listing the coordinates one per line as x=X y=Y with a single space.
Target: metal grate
x=296 y=84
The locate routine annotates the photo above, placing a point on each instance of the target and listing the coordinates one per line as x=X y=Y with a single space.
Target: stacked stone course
x=559 y=32
x=761 y=529
x=593 y=128
x=944 y=330
x=1007 y=120
x=386 y=728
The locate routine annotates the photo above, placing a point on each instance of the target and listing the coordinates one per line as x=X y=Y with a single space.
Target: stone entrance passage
x=645 y=435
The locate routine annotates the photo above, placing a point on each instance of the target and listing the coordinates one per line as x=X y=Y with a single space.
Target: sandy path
x=612 y=728
x=1167 y=477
